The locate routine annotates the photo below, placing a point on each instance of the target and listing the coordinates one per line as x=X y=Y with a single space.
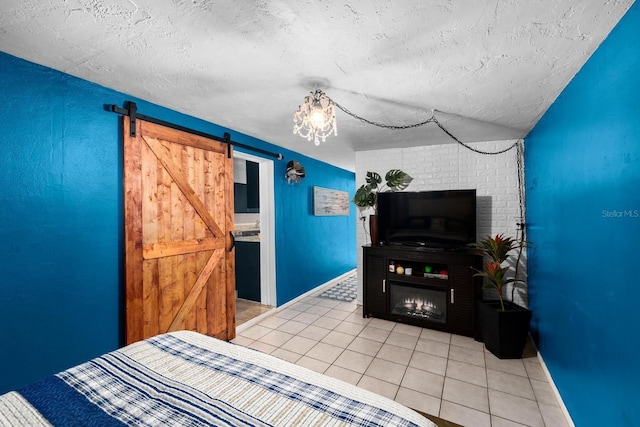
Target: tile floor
x=449 y=376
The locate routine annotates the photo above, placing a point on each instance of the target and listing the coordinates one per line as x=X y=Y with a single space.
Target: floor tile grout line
x=413 y=351
x=486 y=373
x=445 y=378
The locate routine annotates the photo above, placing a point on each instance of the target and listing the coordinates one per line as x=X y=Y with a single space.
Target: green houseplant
x=367 y=195
x=503 y=325
x=497 y=250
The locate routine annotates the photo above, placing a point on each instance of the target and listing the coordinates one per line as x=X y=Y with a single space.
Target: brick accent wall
x=451 y=167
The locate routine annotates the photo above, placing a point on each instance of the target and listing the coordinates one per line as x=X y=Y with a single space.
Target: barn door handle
x=233 y=241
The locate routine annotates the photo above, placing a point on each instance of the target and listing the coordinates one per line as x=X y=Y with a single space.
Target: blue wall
x=311 y=249
x=61 y=238
x=583 y=215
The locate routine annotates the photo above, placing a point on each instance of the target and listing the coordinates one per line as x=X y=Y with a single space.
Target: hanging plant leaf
x=364 y=197
x=373 y=179
x=397 y=179
x=367 y=194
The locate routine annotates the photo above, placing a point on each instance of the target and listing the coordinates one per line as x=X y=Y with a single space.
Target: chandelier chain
x=432 y=119
x=382 y=125
x=475 y=150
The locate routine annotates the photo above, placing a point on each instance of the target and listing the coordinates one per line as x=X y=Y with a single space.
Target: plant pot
x=373 y=230
x=504 y=333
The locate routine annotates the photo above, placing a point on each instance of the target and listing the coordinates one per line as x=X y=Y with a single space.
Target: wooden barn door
x=179 y=256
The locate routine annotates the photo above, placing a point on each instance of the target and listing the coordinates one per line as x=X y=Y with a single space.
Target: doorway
x=262 y=222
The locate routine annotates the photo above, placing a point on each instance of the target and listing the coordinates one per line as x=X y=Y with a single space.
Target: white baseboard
x=255 y=320
x=567 y=416
x=315 y=290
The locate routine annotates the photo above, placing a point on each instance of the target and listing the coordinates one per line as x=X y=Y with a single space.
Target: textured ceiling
x=489 y=67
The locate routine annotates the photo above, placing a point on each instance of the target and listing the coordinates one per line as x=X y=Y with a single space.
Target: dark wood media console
x=440 y=293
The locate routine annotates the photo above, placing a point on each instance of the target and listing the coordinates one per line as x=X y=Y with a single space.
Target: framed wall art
x=327 y=202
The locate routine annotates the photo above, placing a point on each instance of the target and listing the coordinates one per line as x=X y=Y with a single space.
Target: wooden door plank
x=195 y=291
x=188 y=233
x=132 y=165
x=150 y=292
x=230 y=280
x=166 y=303
x=178 y=137
x=200 y=259
x=150 y=299
x=149 y=177
x=164 y=283
x=178 y=290
x=215 y=323
x=165 y=249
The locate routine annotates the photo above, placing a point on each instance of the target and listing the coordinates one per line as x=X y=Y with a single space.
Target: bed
x=186 y=378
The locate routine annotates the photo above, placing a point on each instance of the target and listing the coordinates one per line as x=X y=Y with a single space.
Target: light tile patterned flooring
x=450 y=376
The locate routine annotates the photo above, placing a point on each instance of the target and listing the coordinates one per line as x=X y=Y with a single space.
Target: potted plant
x=503 y=325
x=367 y=195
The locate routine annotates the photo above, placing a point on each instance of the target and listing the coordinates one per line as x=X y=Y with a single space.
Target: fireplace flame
x=419 y=302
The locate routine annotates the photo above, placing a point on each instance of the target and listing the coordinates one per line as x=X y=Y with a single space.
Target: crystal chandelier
x=316 y=118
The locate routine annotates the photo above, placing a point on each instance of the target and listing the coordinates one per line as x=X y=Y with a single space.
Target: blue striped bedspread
x=188 y=379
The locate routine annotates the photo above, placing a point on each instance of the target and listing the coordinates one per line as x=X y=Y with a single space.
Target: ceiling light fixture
x=315 y=119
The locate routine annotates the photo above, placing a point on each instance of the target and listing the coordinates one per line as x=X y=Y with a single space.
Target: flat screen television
x=436 y=219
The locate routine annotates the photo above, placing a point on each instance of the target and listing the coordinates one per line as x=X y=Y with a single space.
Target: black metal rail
x=131 y=111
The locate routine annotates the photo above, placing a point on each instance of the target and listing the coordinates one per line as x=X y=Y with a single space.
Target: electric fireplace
x=418 y=302
x=434 y=289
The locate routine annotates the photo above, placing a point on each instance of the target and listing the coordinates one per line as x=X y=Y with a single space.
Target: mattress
x=186 y=378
